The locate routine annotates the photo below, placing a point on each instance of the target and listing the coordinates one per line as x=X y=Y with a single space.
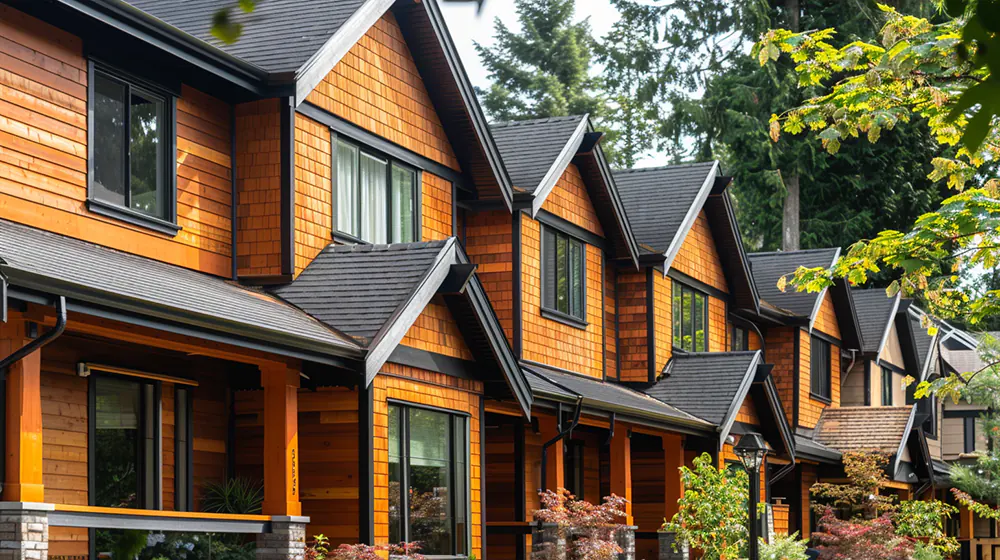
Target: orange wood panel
x=611 y=325
x=810 y=408
x=673 y=460
x=23 y=480
x=258 y=188
x=167 y=436
x=43 y=160
x=490 y=247
x=570 y=200
x=748 y=413
x=313 y=190
x=377 y=86
x=780 y=513
x=662 y=321
x=781 y=352
x=826 y=318
x=436 y=212
x=718 y=326
x=808 y=479
x=552 y=342
x=435 y=330
x=281 y=440
x=621 y=469
x=698 y=256
x=555 y=459
x=632 y=325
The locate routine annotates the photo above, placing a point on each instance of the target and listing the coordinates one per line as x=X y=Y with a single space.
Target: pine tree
x=544 y=69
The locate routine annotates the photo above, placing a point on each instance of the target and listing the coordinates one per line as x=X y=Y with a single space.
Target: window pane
x=687 y=329
x=347 y=188
x=109 y=140
x=430 y=481
x=576 y=279
x=461 y=503
x=374 y=204
x=700 y=312
x=677 y=307
x=181 y=452
x=403 y=201
x=549 y=254
x=819 y=367
x=146 y=155
x=562 y=274
x=116 y=443
x=395 y=476
x=886 y=387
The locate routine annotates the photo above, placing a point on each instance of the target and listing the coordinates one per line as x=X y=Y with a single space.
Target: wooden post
x=555 y=475
x=673 y=460
x=621 y=468
x=281 y=440
x=966 y=522
x=23 y=480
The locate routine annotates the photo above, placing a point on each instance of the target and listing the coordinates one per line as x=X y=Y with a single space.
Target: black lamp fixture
x=752 y=450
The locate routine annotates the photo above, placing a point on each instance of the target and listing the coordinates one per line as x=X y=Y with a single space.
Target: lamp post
x=751 y=450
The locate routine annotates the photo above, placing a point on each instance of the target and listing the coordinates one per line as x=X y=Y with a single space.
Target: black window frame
x=362 y=148
x=404 y=451
x=574 y=467
x=695 y=293
x=548 y=310
x=168 y=223
x=820 y=391
x=969 y=434
x=887 y=391
x=742 y=337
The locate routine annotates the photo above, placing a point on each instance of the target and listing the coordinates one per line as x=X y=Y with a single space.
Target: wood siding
x=551 y=342
x=435 y=330
x=490 y=247
x=376 y=86
x=406 y=384
x=663 y=334
x=43 y=153
x=826 y=318
x=809 y=407
x=633 y=325
x=698 y=256
x=569 y=200
x=258 y=188
x=610 y=320
x=780 y=343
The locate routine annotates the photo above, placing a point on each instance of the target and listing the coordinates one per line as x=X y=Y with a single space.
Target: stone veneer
x=286 y=541
x=548 y=542
x=24 y=531
x=667 y=552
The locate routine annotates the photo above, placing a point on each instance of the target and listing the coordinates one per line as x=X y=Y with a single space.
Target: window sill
x=132 y=217
x=820 y=398
x=563 y=318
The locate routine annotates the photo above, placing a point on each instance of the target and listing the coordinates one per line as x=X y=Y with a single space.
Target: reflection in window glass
x=403 y=202
x=395 y=477
x=373 y=199
x=109 y=140
x=376 y=199
x=347 y=188
x=563 y=273
x=116 y=442
x=690 y=318
x=145 y=149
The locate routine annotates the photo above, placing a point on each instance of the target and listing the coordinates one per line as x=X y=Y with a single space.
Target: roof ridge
x=539 y=120
x=665 y=167
x=796 y=252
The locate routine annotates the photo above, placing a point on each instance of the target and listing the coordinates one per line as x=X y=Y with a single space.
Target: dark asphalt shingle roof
x=812 y=449
x=873 y=308
x=869 y=428
x=922 y=339
x=547 y=382
x=657 y=200
x=704 y=384
x=279 y=36
x=530 y=147
x=41 y=258
x=767 y=268
x=357 y=288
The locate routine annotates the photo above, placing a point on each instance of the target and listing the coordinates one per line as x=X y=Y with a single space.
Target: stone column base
x=24 y=531
x=286 y=541
x=667 y=552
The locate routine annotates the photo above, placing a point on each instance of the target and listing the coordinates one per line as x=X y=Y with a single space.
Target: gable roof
x=662 y=202
x=768 y=267
x=374 y=294
x=875 y=315
x=868 y=428
x=687 y=375
x=88 y=275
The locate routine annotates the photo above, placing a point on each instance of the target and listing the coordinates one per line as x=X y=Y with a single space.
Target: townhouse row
x=307 y=259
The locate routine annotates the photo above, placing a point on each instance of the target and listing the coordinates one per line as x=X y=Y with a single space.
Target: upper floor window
x=563 y=271
x=131 y=160
x=886 y=386
x=376 y=197
x=741 y=339
x=819 y=368
x=690 y=317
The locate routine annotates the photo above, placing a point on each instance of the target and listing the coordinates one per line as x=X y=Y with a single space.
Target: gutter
x=559 y=437
x=39 y=342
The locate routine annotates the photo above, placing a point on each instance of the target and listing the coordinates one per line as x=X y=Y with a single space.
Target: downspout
x=39 y=342
x=567 y=431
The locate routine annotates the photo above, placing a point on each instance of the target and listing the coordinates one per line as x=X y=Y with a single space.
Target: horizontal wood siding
x=43 y=153
x=632 y=325
x=552 y=342
x=698 y=256
x=210 y=429
x=435 y=330
x=258 y=188
x=569 y=200
x=490 y=247
x=376 y=86
x=168 y=412
x=406 y=384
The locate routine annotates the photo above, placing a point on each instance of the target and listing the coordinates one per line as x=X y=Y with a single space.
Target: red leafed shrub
x=589 y=529
x=320 y=550
x=870 y=539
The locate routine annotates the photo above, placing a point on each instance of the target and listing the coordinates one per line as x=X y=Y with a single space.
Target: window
x=886 y=386
x=563 y=272
x=969 y=434
x=376 y=197
x=183 y=456
x=690 y=317
x=428 y=480
x=573 y=468
x=126 y=450
x=131 y=151
x=741 y=339
x=819 y=368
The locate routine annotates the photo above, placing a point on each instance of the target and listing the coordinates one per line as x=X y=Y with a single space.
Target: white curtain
x=347 y=188
x=373 y=200
x=402 y=204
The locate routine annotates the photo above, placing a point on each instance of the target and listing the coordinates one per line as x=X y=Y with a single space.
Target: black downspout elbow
x=562 y=435
x=39 y=342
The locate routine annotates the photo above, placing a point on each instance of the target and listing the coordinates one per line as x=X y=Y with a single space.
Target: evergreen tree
x=544 y=69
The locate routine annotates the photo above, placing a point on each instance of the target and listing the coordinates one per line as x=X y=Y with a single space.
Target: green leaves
x=712 y=514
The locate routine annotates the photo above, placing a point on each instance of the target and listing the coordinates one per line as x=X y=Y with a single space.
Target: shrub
x=922 y=519
x=589 y=529
x=783 y=547
x=860 y=539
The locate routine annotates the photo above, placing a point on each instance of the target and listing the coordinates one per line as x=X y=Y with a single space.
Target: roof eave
x=689 y=218
x=741 y=395
x=555 y=171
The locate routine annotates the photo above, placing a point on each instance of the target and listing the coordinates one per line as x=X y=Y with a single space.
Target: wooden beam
x=966 y=522
x=555 y=475
x=673 y=486
x=621 y=468
x=23 y=479
x=281 y=439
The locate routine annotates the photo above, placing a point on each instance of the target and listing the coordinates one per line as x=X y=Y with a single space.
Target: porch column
x=966 y=522
x=23 y=478
x=673 y=486
x=555 y=471
x=281 y=440
x=24 y=531
x=621 y=468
